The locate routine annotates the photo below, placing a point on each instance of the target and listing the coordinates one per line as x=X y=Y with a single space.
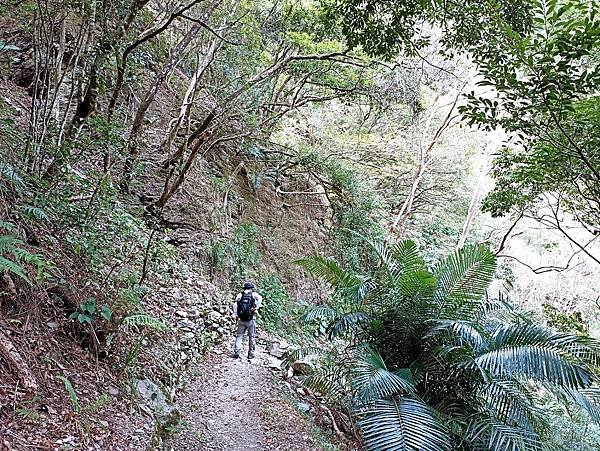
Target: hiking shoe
x=236 y=356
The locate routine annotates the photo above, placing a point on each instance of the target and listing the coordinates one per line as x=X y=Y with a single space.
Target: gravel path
x=236 y=405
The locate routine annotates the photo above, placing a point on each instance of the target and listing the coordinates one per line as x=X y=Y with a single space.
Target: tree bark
x=150 y=94
x=16 y=362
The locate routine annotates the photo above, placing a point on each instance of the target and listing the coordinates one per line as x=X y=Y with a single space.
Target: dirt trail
x=236 y=405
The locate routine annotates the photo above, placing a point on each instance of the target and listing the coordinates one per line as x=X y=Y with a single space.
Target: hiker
x=244 y=308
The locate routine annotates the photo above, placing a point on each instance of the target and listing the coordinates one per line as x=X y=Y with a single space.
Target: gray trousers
x=242 y=328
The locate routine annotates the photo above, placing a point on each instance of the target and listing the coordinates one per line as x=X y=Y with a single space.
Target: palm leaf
x=329 y=270
x=407 y=257
x=511 y=402
x=468 y=332
x=494 y=435
x=333 y=382
x=416 y=283
x=403 y=424
x=372 y=380
x=537 y=353
x=319 y=313
x=462 y=280
x=380 y=248
x=348 y=324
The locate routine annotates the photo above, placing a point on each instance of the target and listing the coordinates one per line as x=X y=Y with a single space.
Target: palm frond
x=416 y=283
x=538 y=353
x=380 y=248
x=333 y=382
x=512 y=402
x=468 y=332
x=584 y=350
x=407 y=257
x=494 y=435
x=329 y=270
x=462 y=280
x=402 y=423
x=587 y=399
x=348 y=324
x=300 y=354
x=372 y=380
x=319 y=313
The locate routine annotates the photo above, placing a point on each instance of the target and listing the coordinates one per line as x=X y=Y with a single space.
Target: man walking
x=244 y=308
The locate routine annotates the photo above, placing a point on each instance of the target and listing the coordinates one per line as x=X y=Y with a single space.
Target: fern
x=72 y=394
x=14 y=268
x=13 y=256
x=95 y=406
x=144 y=320
x=32 y=212
x=7 y=226
x=11 y=175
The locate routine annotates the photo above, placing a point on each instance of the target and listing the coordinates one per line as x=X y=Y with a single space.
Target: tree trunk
x=148 y=98
x=16 y=362
x=184 y=110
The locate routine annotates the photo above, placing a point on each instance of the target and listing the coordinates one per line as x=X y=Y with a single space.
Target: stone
x=303 y=407
x=300 y=391
x=275 y=350
x=113 y=391
x=185 y=324
x=214 y=316
x=153 y=398
x=274 y=363
x=181 y=313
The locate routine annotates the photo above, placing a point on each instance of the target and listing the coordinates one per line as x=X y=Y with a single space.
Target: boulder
x=275 y=350
x=153 y=398
x=274 y=363
x=303 y=407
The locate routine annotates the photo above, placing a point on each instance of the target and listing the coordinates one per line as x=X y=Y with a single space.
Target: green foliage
x=564 y=321
x=11 y=175
x=96 y=405
x=357 y=210
x=89 y=312
x=244 y=251
x=237 y=256
x=14 y=257
x=386 y=27
x=440 y=364
x=277 y=303
x=72 y=394
x=545 y=88
x=27 y=409
x=144 y=320
x=216 y=254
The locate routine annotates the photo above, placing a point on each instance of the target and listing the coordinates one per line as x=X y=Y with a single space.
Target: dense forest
x=412 y=186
